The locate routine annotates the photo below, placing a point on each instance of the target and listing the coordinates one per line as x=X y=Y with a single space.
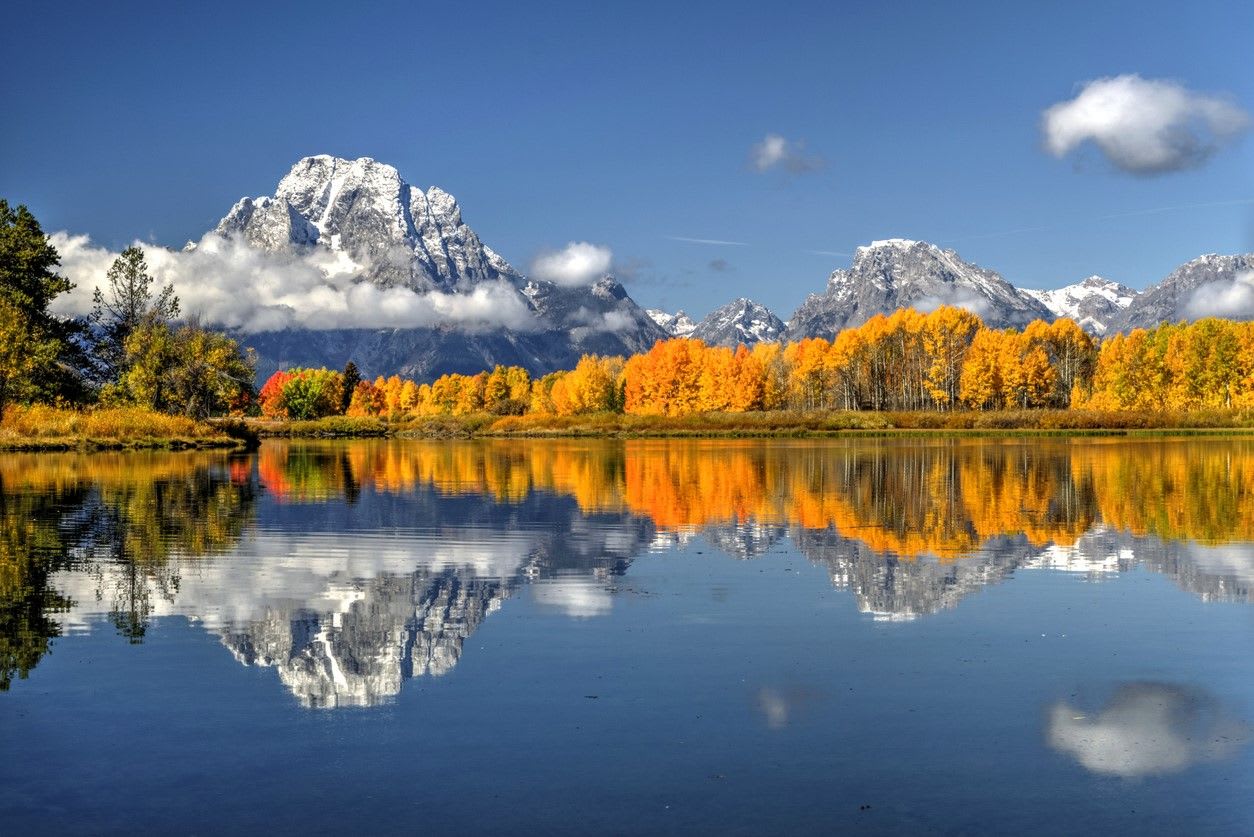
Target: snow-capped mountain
x=739 y=321
x=395 y=233
x=374 y=226
x=898 y=273
x=1210 y=285
x=1094 y=303
x=678 y=324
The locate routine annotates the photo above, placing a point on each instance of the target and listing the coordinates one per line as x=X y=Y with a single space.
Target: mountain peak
x=1194 y=289
x=396 y=233
x=397 y=237
x=1093 y=303
x=740 y=321
x=899 y=272
x=892 y=244
x=678 y=324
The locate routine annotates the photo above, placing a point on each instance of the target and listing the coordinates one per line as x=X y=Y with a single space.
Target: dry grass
x=707 y=424
x=767 y=424
x=1072 y=420
x=40 y=426
x=329 y=427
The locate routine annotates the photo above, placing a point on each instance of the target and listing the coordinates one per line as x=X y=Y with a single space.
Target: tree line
x=943 y=360
x=946 y=359
x=133 y=349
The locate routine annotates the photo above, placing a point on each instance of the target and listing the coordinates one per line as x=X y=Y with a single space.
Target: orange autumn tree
x=942 y=360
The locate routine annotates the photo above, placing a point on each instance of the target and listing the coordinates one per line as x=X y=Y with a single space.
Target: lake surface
x=919 y=635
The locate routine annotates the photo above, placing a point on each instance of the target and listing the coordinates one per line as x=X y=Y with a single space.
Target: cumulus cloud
x=1143 y=126
x=232 y=285
x=774 y=151
x=1147 y=729
x=578 y=263
x=1229 y=298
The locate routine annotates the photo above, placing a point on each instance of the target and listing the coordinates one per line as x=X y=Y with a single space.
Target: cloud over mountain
x=1143 y=126
x=1232 y=298
x=578 y=263
x=230 y=283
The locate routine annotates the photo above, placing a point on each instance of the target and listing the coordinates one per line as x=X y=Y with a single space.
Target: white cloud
x=969 y=301
x=578 y=263
x=1143 y=126
x=232 y=285
x=1230 y=298
x=579 y=598
x=774 y=151
x=1147 y=729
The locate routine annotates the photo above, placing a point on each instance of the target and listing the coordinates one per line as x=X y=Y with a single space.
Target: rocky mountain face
x=739 y=321
x=391 y=234
x=898 y=273
x=395 y=233
x=1197 y=288
x=1094 y=303
x=678 y=324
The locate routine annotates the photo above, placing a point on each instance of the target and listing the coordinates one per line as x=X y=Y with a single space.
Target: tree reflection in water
x=352 y=566
x=116 y=518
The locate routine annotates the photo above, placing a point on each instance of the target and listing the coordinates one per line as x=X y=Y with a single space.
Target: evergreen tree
x=350 y=378
x=28 y=285
x=127 y=304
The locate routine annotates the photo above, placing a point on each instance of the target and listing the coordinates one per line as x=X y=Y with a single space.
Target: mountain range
x=363 y=217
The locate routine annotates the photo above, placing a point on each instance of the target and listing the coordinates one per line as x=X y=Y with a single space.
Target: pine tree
x=127 y=304
x=351 y=378
x=28 y=285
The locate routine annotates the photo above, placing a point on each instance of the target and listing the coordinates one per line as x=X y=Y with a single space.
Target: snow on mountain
x=739 y=321
x=678 y=324
x=396 y=233
x=1093 y=303
x=385 y=232
x=897 y=273
x=1208 y=286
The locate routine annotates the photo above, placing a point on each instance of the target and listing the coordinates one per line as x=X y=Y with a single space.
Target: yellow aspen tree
x=980 y=383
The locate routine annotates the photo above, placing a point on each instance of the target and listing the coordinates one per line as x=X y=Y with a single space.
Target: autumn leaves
x=943 y=360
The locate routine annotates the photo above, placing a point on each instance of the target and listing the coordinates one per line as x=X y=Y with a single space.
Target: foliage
x=127 y=305
x=25 y=353
x=349 y=379
x=313 y=393
x=189 y=370
x=1205 y=365
x=53 y=367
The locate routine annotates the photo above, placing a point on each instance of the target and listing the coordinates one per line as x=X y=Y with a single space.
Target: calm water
x=889 y=635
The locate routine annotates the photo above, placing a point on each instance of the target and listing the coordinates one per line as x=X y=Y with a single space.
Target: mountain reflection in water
x=350 y=567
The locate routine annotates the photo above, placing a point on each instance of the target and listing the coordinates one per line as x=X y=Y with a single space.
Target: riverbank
x=767 y=424
x=41 y=427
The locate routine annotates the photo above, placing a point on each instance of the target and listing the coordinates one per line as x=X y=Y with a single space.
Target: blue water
x=419 y=658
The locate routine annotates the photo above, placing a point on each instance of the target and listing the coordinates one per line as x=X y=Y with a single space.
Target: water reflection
x=1148 y=729
x=351 y=567
x=117 y=520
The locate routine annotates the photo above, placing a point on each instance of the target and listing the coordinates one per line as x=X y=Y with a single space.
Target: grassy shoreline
x=44 y=428
x=771 y=425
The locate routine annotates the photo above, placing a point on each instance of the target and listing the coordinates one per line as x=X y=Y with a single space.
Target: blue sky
x=631 y=124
